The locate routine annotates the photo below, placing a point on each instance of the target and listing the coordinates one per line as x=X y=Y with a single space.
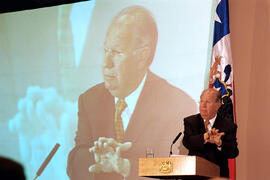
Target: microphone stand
x=47 y=160
x=176 y=138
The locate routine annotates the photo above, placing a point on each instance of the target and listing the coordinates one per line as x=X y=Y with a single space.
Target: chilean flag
x=221 y=72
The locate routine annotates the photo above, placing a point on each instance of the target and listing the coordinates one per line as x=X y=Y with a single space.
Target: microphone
x=47 y=160
x=176 y=138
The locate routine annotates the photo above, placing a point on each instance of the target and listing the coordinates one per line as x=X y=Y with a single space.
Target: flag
x=221 y=71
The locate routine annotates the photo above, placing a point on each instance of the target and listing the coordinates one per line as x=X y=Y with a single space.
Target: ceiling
x=18 y=5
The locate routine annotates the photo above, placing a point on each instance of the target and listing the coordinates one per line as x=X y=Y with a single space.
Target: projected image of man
x=120 y=118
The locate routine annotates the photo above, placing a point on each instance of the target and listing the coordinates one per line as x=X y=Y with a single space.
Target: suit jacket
x=154 y=123
x=194 y=141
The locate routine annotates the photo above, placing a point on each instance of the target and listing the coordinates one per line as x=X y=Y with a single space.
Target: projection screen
x=52 y=56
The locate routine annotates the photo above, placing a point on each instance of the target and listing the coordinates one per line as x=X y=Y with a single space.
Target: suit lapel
x=201 y=123
x=105 y=119
x=139 y=120
x=216 y=123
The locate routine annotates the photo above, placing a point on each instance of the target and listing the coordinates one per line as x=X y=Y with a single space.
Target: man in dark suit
x=209 y=135
x=153 y=107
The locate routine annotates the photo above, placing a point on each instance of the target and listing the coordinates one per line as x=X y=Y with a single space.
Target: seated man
x=210 y=136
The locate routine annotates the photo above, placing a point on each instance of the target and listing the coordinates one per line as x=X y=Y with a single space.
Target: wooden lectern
x=182 y=167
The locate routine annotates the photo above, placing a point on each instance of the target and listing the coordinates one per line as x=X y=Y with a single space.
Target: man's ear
x=219 y=105
x=143 y=55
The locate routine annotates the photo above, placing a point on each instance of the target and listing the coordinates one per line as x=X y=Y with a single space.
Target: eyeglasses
x=114 y=52
x=111 y=52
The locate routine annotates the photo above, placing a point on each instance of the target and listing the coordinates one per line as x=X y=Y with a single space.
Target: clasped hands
x=213 y=136
x=107 y=155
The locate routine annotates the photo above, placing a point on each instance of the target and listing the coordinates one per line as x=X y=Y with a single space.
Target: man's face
x=120 y=65
x=208 y=105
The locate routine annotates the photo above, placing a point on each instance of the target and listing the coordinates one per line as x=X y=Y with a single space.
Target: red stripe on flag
x=232 y=164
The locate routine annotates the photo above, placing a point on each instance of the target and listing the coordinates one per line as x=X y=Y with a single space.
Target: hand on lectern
x=107 y=154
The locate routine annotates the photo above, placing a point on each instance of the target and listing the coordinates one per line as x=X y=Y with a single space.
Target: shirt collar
x=212 y=121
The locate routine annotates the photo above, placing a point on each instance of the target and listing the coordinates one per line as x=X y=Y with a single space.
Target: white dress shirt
x=211 y=122
x=131 y=101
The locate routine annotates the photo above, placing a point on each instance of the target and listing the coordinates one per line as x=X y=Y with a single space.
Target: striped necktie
x=118 y=124
x=206 y=123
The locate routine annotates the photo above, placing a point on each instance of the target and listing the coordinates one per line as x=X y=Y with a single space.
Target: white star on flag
x=216 y=15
